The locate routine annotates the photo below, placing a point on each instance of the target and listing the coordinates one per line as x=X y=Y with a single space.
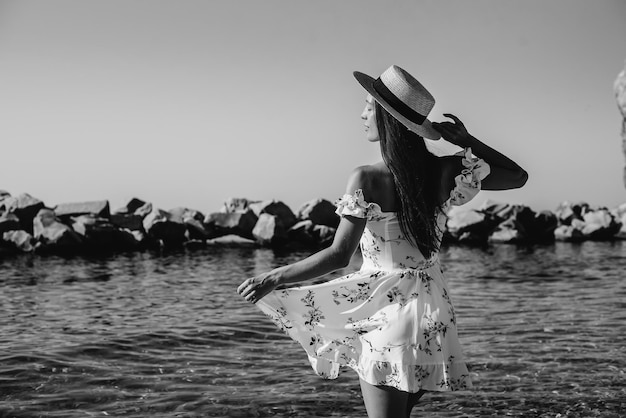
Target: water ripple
x=164 y=335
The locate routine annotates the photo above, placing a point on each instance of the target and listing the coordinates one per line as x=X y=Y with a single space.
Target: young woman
x=392 y=321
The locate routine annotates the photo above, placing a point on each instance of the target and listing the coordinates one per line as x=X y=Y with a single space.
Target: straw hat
x=404 y=97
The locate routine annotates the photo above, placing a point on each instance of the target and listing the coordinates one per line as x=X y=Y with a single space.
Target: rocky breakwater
x=28 y=225
x=505 y=223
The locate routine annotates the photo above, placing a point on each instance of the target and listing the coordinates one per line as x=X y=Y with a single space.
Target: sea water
x=164 y=334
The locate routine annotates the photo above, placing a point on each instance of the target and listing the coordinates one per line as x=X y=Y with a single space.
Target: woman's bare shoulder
x=365 y=177
x=376 y=183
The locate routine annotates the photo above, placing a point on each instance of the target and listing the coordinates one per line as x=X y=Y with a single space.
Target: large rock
x=302 y=233
x=600 y=225
x=225 y=223
x=25 y=207
x=100 y=234
x=523 y=225
x=269 y=230
x=497 y=210
x=98 y=208
x=308 y=234
x=52 y=234
x=131 y=240
x=468 y=226
x=129 y=221
x=566 y=212
x=164 y=228
x=183 y=214
x=9 y=222
x=131 y=206
x=507 y=233
x=237 y=204
x=570 y=233
x=3 y=195
x=544 y=226
x=276 y=208
x=324 y=234
x=320 y=212
x=19 y=240
x=620 y=215
x=144 y=210
x=196 y=230
x=620 y=96
x=193 y=221
x=135 y=207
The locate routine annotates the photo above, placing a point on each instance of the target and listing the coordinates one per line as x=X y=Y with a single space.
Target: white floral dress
x=392 y=321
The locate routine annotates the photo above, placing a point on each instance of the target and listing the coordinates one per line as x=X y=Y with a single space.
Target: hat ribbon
x=397 y=104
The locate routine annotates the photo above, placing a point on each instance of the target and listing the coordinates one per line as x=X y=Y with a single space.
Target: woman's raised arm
x=505 y=173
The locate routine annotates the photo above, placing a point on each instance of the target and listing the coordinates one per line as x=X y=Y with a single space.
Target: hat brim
x=426 y=129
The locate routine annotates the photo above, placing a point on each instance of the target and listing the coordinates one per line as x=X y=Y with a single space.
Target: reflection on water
x=149 y=334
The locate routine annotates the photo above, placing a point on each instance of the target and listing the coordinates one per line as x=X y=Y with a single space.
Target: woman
x=392 y=321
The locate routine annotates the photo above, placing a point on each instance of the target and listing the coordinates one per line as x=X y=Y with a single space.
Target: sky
x=189 y=103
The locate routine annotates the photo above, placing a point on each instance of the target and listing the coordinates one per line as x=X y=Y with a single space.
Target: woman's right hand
x=255 y=288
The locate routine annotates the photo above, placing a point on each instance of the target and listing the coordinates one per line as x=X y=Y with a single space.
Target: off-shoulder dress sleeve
x=467 y=184
x=355 y=205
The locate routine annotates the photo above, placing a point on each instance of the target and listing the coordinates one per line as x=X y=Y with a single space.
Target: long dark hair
x=416 y=175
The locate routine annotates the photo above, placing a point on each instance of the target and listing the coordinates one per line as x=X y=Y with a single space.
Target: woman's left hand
x=454 y=132
x=254 y=288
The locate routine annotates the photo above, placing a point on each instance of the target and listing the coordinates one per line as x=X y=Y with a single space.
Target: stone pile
x=505 y=223
x=28 y=225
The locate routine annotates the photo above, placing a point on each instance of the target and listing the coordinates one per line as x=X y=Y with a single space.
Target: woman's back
x=378 y=186
x=384 y=245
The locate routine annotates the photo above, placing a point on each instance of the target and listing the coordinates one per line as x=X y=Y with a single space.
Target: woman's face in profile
x=369 y=118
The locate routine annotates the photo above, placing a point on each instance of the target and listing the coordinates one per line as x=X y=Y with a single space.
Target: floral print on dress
x=395 y=295
x=392 y=321
x=361 y=292
x=314 y=315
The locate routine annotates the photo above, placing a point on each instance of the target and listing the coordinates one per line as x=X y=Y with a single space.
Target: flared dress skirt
x=394 y=328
